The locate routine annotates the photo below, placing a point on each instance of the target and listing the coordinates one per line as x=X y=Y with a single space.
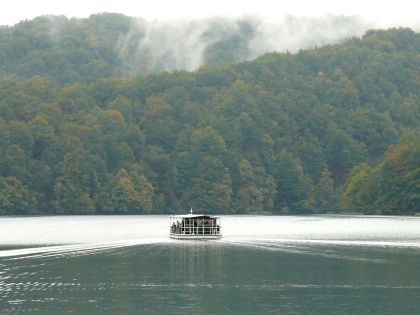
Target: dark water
x=263 y=265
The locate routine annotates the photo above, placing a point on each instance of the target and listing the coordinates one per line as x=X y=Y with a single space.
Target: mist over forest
x=125 y=45
x=113 y=114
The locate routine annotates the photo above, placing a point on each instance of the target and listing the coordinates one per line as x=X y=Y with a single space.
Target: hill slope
x=278 y=134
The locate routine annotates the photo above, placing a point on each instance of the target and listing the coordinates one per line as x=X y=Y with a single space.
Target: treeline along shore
x=328 y=130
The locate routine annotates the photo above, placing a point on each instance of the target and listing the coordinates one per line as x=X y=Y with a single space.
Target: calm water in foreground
x=263 y=265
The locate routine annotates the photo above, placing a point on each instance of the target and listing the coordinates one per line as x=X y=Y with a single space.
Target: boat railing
x=196 y=230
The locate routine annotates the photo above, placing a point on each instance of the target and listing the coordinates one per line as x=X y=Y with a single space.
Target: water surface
x=263 y=265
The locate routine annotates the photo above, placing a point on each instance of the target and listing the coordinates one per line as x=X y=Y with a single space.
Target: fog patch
x=156 y=46
x=152 y=46
x=293 y=33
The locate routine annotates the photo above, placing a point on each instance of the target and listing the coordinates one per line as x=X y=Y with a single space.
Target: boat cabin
x=194 y=226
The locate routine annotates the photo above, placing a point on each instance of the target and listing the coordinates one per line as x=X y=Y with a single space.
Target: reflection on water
x=273 y=265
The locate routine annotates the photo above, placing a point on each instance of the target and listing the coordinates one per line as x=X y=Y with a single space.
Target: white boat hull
x=195 y=237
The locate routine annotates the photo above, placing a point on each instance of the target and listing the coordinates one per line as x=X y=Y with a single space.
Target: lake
x=263 y=265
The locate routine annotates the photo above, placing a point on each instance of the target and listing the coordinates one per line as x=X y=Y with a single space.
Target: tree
x=210 y=189
x=15 y=198
x=342 y=152
x=70 y=189
x=42 y=133
x=249 y=198
x=325 y=194
x=294 y=188
x=131 y=193
x=357 y=194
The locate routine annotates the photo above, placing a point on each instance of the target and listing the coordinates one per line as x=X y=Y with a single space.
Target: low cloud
x=151 y=46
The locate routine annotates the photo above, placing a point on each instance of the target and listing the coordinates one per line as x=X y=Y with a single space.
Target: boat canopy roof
x=195 y=216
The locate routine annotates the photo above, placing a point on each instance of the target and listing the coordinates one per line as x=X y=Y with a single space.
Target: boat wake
x=273 y=243
x=74 y=249
x=297 y=246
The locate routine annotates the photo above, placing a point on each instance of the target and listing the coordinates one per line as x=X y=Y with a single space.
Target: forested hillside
x=393 y=186
x=279 y=134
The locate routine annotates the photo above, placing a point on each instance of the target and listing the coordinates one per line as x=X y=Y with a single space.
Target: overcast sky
x=385 y=13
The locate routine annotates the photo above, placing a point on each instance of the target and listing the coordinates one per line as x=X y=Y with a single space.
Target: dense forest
x=330 y=129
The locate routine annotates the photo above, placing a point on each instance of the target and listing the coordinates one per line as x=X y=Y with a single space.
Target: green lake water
x=263 y=265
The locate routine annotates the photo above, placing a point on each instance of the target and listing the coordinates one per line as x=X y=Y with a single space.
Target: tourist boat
x=194 y=226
